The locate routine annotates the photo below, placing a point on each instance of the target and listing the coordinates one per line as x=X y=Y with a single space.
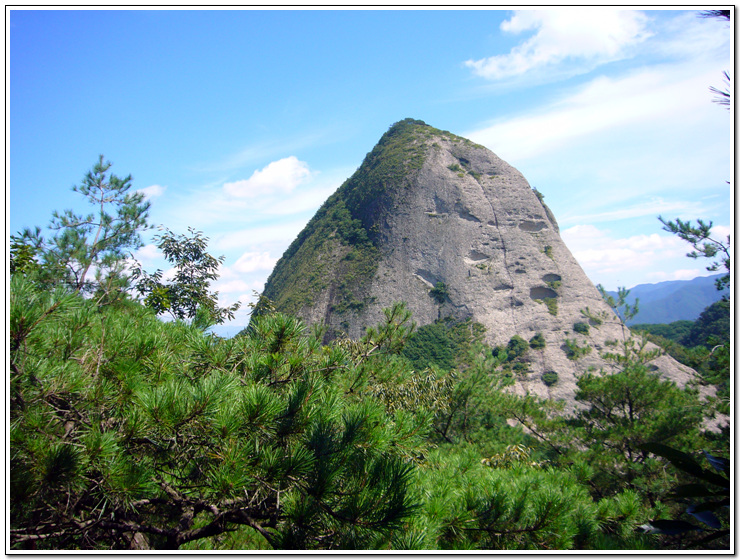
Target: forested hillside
x=677 y=300
x=130 y=432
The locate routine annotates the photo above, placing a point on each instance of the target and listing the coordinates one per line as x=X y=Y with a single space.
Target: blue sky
x=240 y=123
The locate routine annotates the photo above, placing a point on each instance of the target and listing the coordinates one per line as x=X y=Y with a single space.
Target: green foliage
x=22 y=256
x=514 y=455
x=548 y=251
x=537 y=342
x=629 y=408
x=675 y=331
x=130 y=432
x=713 y=323
x=439 y=292
x=187 y=295
x=431 y=345
x=391 y=335
x=98 y=241
x=581 y=328
x=595 y=319
x=516 y=347
x=512 y=358
x=700 y=238
x=472 y=506
x=703 y=345
x=708 y=487
x=620 y=306
x=550 y=378
x=444 y=344
x=552 y=305
x=573 y=351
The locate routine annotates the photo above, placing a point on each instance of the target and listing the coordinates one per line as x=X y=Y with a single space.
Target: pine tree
x=127 y=432
x=93 y=243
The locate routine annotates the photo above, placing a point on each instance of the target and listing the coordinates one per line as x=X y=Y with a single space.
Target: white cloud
x=651 y=97
x=251 y=262
x=587 y=37
x=152 y=191
x=279 y=177
x=691 y=273
x=720 y=233
x=626 y=261
x=283 y=233
x=147 y=253
x=230 y=287
x=653 y=207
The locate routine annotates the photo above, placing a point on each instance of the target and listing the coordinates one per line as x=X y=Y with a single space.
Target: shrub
x=550 y=378
x=581 y=328
x=552 y=305
x=537 y=342
x=439 y=292
x=517 y=347
x=520 y=367
x=573 y=351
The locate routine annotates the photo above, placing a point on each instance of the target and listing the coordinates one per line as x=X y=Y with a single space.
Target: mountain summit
x=445 y=225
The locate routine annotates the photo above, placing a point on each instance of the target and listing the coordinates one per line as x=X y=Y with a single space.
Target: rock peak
x=445 y=225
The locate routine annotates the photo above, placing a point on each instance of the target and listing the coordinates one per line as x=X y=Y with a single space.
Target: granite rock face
x=440 y=211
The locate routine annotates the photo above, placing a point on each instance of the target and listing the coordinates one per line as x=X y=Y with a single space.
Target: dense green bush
x=676 y=331
x=439 y=292
x=713 y=323
x=130 y=432
x=537 y=342
x=444 y=344
x=516 y=347
x=573 y=351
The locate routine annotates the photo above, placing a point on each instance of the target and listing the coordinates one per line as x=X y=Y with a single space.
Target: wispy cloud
x=265 y=150
x=152 y=191
x=644 y=98
x=282 y=191
x=654 y=207
x=582 y=38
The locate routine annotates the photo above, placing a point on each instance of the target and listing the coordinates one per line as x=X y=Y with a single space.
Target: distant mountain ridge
x=673 y=300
